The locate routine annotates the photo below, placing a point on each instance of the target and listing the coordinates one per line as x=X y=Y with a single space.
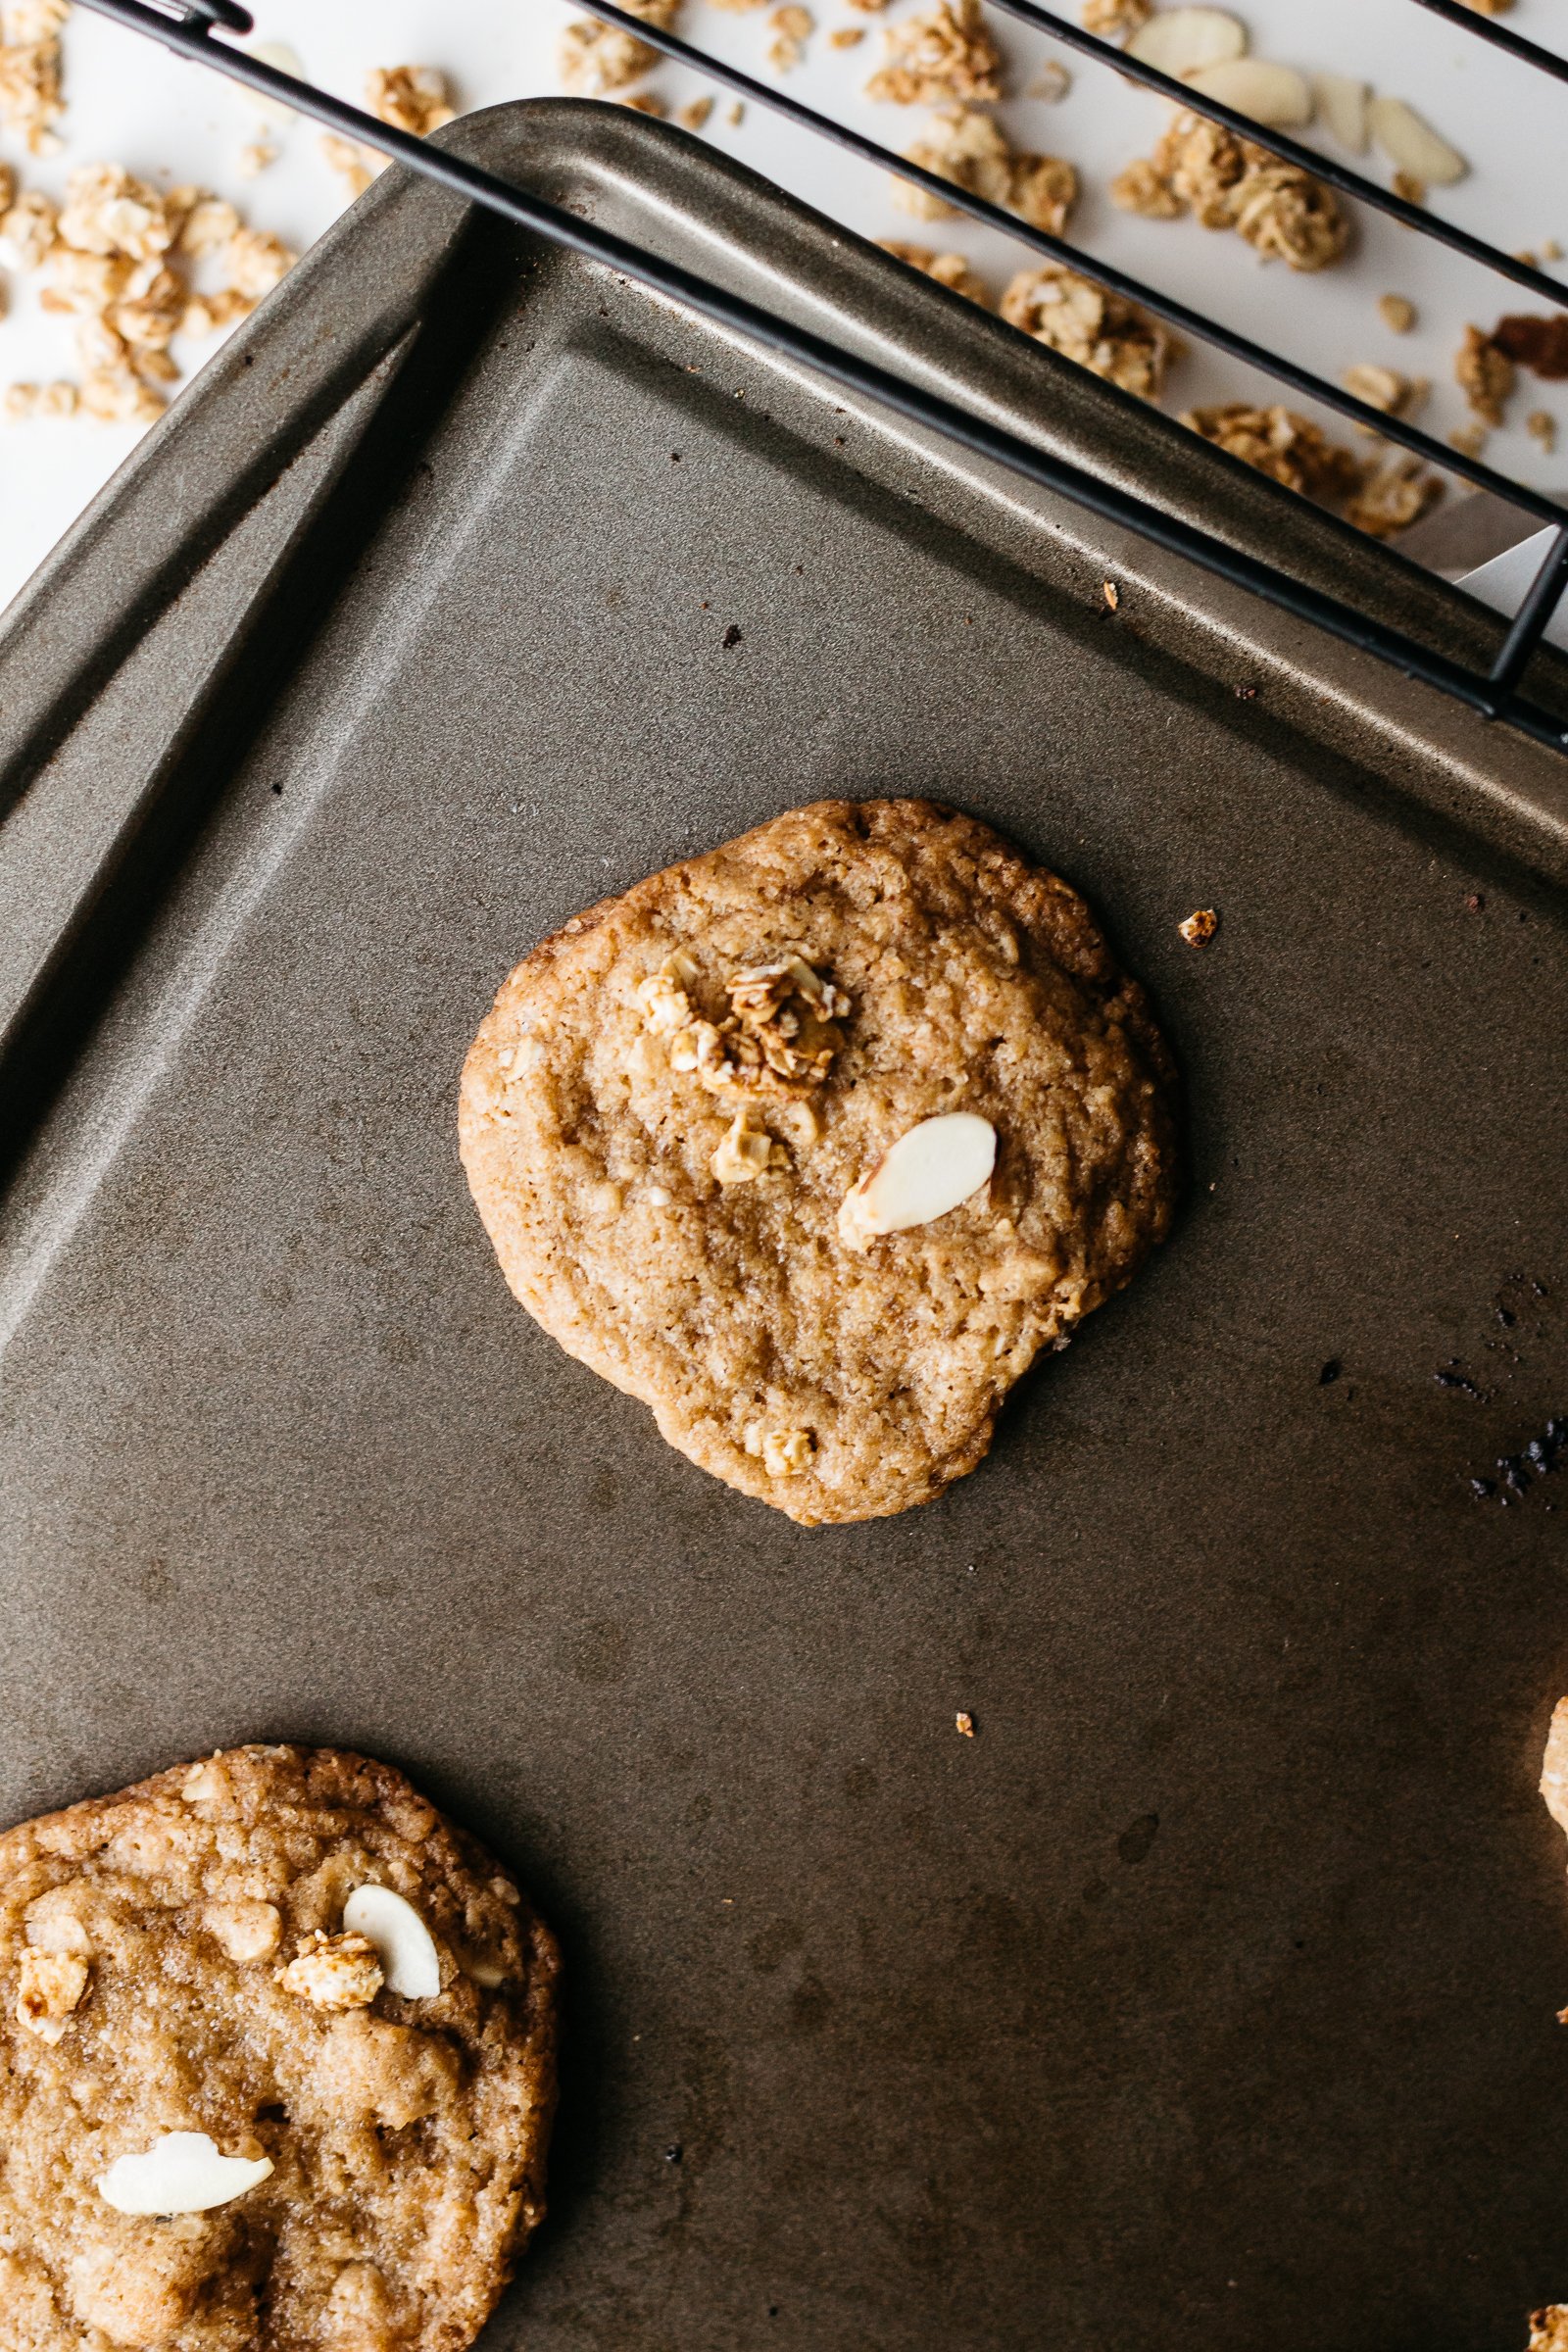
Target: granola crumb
x=1385 y=389
x=334 y=1972
x=644 y=102
x=1111 y=594
x=49 y=1990
x=1550 y=250
x=1484 y=375
x=1289 y=449
x=845 y=37
x=1108 y=17
x=1200 y=927
x=945 y=53
x=743 y=1153
x=28 y=229
x=694 y=115
x=32 y=97
x=1052 y=83
x=414 y=98
x=1086 y=322
x=949 y=270
x=1406 y=184
x=1470 y=440
x=963 y=1724
x=735 y=115
x=792 y=26
x=1391 y=495
x=355 y=164
x=1398 y=313
x=787 y=1452
x=258 y=157
x=1542 y=426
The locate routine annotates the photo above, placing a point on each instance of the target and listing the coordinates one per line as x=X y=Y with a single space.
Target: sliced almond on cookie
x=932 y=1169
x=409 y=1961
x=1183 y=40
x=1272 y=94
x=183 y=2171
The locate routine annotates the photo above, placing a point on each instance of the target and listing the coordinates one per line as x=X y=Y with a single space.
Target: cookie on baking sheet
x=813 y=1142
x=279 y=2066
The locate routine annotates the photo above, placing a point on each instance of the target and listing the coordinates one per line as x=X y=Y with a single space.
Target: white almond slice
x=1342 y=103
x=932 y=1169
x=409 y=1961
x=1183 y=40
x=182 y=2173
x=284 y=60
x=1412 y=145
x=1554 y=1766
x=1273 y=94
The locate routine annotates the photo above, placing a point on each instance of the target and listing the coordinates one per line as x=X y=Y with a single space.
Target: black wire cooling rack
x=188 y=27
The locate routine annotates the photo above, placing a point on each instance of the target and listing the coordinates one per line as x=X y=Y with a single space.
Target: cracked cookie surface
x=671 y=1098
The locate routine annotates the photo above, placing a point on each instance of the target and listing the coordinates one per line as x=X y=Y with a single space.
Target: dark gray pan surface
x=1206 y=1997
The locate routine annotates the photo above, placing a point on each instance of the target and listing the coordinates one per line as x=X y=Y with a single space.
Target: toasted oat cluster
x=1288 y=448
x=1548 y=2328
x=1392 y=495
x=1201 y=167
x=1086 y=322
x=1113 y=17
x=411 y=98
x=596 y=60
x=791 y=26
x=1484 y=375
x=815 y=1141
x=225 y=2127
x=945 y=53
x=119 y=256
x=32 y=101
x=949 y=270
x=972 y=150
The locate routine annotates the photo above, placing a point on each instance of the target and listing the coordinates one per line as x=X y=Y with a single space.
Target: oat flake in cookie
x=186 y=2019
x=673 y=1099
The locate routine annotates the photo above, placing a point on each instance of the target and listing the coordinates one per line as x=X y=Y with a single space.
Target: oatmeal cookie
x=279 y=2066
x=667 y=1114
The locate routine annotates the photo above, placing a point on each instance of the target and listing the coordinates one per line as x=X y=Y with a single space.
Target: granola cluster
x=411 y=98
x=1393 y=494
x=1104 y=332
x=972 y=151
x=1201 y=167
x=949 y=270
x=595 y=59
x=32 y=101
x=1115 y=19
x=779 y=1035
x=945 y=54
x=334 y=1972
x=120 y=257
x=1275 y=441
x=1484 y=375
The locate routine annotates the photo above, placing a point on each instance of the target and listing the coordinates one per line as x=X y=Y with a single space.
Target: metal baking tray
x=1208 y=1991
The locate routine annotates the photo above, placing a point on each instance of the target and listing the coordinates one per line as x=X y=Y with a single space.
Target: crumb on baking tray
x=1200 y=926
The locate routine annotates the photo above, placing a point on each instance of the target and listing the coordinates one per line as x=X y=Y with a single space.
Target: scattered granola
x=969 y=148
x=644 y=102
x=411 y=98
x=1108 y=17
x=1396 y=312
x=1484 y=375
x=1100 y=330
x=31 y=100
x=1406 y=184
x=845 y=37
x=949 y=270
x=945 y=53
x=1052 y=83
x=1469 y=440
x=334 y=1972
x=1275 y=441
x=1386 y=389
x=61 y=398
x=694 y=115
x=1542 y=426
x=792 y=26
x=963 y=1724
x=1111 y=594
x=1226 y=183
x=1200 y=927
x=595 y=59
x=1392 y=495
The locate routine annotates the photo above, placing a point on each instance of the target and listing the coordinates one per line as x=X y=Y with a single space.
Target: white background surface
x=132 y=103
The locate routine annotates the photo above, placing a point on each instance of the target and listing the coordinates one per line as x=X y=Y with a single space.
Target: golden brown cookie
x=279 y=2066
x=678 y=1124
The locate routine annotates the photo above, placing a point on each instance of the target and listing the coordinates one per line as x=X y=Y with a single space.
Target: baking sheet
x=1209 y=1990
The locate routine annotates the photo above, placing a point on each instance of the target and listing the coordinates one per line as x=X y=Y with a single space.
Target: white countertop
x=132 y=103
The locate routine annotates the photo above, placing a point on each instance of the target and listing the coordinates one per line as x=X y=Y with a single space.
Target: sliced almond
x=180 y=2173
x=1554 y=1766
x=1183 y=40
x=1412 y=145
x=930 y=1171
x=409 y=1961
x=284 y=60
x=1342 y=102
x=1273 y=94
